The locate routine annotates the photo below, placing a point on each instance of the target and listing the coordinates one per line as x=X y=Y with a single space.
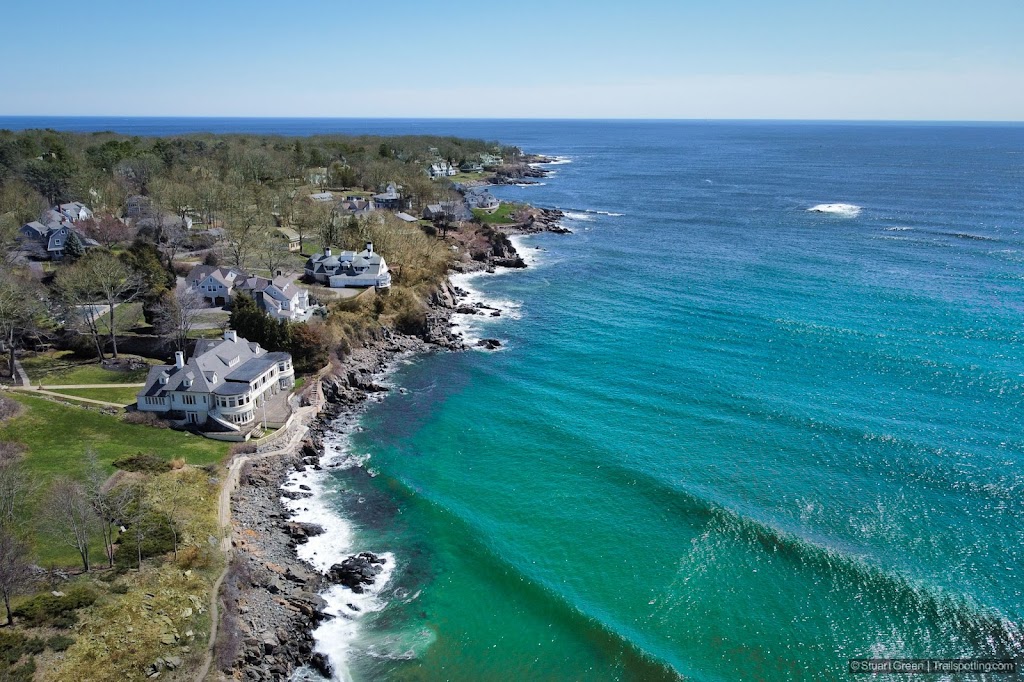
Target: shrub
x=59 y=643
x=242 y=449
x=10 y=452
x=9 y=408
x=143 y=462
x=119 y=588
x=146 y=419
x=57 y=611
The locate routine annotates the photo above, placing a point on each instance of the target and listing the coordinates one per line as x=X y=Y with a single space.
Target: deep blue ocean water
x=727 y=438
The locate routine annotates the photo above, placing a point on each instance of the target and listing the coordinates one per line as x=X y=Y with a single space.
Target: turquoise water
x=728 y=438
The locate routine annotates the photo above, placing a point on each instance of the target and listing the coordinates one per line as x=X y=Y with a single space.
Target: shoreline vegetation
x=239 y=201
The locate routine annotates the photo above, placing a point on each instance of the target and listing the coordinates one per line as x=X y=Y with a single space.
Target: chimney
x=179 y=359
x=369 y=246
x=327 y=253
x=230 y=335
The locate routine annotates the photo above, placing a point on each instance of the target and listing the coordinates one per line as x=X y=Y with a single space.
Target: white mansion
x=350 y=269
x=223 y=383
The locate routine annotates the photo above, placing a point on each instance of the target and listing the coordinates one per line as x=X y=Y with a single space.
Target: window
x=188 y=400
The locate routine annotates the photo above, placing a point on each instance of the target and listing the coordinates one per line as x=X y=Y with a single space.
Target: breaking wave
x=843 y=210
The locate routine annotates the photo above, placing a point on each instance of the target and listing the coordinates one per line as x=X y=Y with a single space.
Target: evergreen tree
x=73 y=247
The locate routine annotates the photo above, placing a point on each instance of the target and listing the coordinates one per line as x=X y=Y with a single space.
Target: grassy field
x=61 y=367
x=126 y=316
x=121 y=396
x=468 y=177
x=502 y=216
x=57 y=436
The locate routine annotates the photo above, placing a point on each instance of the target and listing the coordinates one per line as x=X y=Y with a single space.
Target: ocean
x=727 y=437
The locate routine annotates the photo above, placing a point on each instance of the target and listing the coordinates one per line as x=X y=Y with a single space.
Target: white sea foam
x=336 y=637
x=844 y=210
x=474 y=327
x=556 y=161
x=575 y=215
x=898 y=229
x=529 y=184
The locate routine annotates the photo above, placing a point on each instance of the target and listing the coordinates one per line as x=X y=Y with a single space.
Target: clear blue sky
x=866 y=59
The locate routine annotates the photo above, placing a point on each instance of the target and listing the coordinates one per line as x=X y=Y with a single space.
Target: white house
x=221 y=386
x=279 y=297
x=213 y=283
x=442 y=169
x=350 y=269
x=76 y=211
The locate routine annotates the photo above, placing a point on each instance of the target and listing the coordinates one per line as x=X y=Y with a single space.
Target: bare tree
x=15 y=486
x=114 y=282
x=20 y=309
x=15 y=567
x=70 y=516
x=273 y=254
x=176 y=315
x=106 y=229
x=77 y=297
x=138 y=518
x=108 y=504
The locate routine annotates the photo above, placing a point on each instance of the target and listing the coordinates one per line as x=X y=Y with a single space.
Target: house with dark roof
x=221 y=386
x=390 y=199
x=357 y=206
x=51 y=233
x=350 y=269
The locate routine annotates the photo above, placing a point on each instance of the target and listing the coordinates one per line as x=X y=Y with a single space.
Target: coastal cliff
x=270 y=601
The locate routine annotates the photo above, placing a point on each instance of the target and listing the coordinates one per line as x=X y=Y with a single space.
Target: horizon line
x=521 y=118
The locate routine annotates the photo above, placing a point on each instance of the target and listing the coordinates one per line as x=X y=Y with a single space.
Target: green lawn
x=121 y=396
x=500 y=217
x=60 y=367
x=57 y=436
x=467 y=177
x=126 y=316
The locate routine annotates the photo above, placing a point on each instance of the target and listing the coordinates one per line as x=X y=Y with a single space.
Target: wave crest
x=844 y=210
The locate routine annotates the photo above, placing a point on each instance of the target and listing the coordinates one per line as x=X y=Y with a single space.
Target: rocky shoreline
x=270 y=601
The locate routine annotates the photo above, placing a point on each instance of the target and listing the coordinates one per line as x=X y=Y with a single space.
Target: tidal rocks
x=357 y=571
x=489 y=344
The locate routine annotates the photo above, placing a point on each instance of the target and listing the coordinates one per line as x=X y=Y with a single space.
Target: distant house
x=390 y=199
x=470 y=167
x=454 y=210
x=442 y=169
x=51 y=234
x=76 y=211
x=214 y=284
x=279 y=297
x=292 y=237
x=350 y=269
x=357 y=206
x=322 y=197
x=221 y=386
x=491 y=160
x=137 y=206
x=164 y=221
x=483 y=200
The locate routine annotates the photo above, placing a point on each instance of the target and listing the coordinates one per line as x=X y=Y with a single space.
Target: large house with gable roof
x=350 y=269
x=221 y=386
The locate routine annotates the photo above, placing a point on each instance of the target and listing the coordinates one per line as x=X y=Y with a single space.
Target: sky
x=733 y=59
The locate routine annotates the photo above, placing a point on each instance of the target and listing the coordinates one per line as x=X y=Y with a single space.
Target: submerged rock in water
x=489 y=344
